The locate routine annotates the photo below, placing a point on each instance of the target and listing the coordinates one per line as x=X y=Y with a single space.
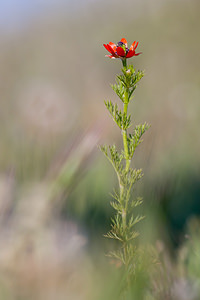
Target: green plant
x=125 y=219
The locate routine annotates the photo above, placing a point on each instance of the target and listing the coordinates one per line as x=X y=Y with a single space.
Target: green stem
x=125 y=142
x=124 y=132
x=124 y=62
x=126 y=151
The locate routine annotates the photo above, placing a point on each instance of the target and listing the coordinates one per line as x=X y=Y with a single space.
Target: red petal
x=132 y=46
x=136 y=46
x=109 y=48
x=111 y=56
x=113 y=46
x=121 y=52
x=136 y=54
x=130 y=53
x=124 y=41
x=105 y=46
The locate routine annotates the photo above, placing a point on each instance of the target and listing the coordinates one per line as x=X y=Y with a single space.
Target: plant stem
x=124 y=62
x=126 y=151
x=124 y=132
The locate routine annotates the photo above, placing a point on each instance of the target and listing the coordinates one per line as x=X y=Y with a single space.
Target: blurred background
x=54 y=181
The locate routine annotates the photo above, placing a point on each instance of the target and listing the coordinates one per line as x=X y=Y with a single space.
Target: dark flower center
x=122 y=45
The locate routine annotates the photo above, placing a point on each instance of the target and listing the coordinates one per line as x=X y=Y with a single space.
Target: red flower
x=121 y=50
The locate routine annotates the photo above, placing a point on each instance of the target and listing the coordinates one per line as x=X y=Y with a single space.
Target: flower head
x=121 y=50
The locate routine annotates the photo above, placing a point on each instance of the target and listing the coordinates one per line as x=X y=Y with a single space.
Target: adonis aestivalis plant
x=121 y=50
x=125 y=218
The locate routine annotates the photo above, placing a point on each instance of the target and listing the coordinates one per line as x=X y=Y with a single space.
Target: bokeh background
x=54 y=181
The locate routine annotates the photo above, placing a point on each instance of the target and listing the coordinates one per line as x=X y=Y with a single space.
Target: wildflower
x=121 y=50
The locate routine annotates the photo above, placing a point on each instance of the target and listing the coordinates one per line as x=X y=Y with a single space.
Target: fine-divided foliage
x=126 y=217
x=121 y=119
x=128 y=80
x=134 y=139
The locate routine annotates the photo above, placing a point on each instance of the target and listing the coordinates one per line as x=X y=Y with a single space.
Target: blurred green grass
x=54 y=78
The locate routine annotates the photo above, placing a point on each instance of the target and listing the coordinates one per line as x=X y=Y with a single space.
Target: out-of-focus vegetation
x=55 y=183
